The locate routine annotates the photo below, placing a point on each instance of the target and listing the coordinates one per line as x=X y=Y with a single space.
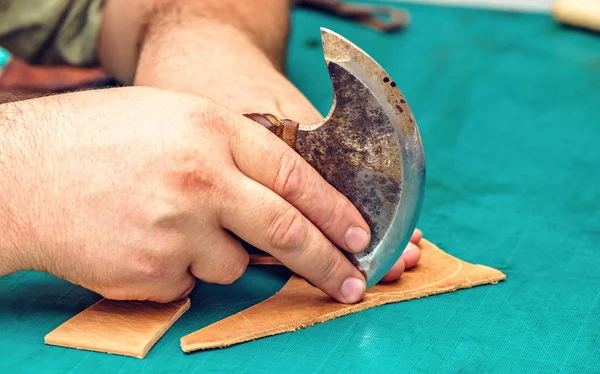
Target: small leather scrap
x=298 y=304
x=369 y=15
x=128 y=328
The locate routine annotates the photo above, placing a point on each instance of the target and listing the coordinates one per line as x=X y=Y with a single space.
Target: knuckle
x=211 y=121
x=147 y=292
x=162 y=298
x=204 y=114
x=124 y=293
x=331 y=217
x=287 y=230
x=190 y=287
x=289 y=181
x=152 y=265
x=234 y=273
x=192 y=174
x=114 y=293
x=330 y=267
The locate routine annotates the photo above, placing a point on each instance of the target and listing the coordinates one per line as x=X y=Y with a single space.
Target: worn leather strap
x=285 y=129
x=369 y=15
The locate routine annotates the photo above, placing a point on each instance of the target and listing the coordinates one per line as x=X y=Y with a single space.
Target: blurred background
x=523 y=5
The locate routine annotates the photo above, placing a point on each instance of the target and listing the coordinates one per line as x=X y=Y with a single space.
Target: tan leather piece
x=298 y=304
x=263 y=260
x=128 y=328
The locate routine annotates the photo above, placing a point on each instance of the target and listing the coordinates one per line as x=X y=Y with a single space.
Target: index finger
x=261 y=218
x=276 y=166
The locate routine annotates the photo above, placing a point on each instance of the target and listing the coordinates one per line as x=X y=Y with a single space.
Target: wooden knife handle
x=285 y=129
x=580 y=13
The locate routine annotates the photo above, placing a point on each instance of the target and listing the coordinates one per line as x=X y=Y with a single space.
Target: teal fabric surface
x=509 y=110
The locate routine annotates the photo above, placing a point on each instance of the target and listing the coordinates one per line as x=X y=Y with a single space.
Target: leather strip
x=298 y=304
x=128 y=328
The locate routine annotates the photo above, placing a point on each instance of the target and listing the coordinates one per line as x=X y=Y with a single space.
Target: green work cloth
x=508 y=107
x=51 y=32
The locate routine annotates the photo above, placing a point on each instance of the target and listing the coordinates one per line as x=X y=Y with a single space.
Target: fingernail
x=356 y=239
x=353 y=289
x=411 y=256
x=411 y=247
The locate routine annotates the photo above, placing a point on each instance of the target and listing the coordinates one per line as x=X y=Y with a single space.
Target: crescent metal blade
x=369 y=148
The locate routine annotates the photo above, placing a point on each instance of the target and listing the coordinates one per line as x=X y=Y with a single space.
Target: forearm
x=16 y=232
x=169 y=43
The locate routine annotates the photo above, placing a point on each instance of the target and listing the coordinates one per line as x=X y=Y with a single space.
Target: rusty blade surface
x=369 y=148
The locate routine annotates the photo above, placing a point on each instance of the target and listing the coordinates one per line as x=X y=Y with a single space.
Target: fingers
x=188 y=290
x=222 y=259
x=269 y=161
x=149 y=288
x=416 y=236
x=409 y=258
x=395 y=272
x=171 y=291
x=266 y=221
x=411 y=255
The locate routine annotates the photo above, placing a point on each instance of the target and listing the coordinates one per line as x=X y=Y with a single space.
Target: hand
x=284 y=97
x=210 y=58
x=409 y=259
x=258 y=87
x=133 y=192
x=275 y=94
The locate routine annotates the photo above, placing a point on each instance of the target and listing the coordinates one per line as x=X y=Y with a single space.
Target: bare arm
x=230 y=51
x=17 y=236
x=261 y=26
x=76 y=204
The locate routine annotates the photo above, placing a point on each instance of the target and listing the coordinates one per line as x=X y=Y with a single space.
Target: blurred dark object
x=20 y=80
x=369 y=15
x=578 y=13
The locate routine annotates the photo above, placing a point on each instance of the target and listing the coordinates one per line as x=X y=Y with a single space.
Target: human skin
x=134 y=233
x=135 y=192
x=231 y=51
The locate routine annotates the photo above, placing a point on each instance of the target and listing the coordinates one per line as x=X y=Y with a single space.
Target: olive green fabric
x=51 y=32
